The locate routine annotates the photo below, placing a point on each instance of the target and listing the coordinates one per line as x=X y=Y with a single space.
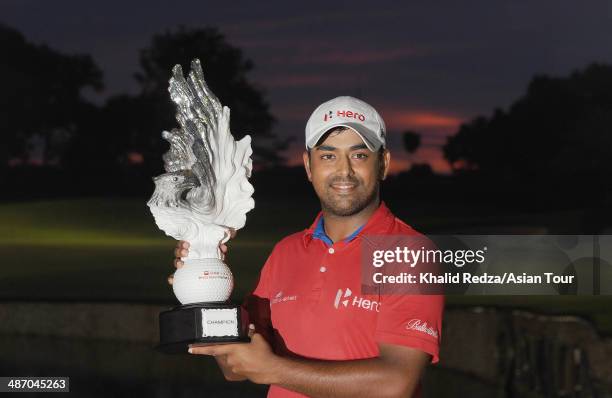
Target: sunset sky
x=426 y=67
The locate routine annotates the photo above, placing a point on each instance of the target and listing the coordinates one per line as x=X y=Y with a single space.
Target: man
x=314 y=333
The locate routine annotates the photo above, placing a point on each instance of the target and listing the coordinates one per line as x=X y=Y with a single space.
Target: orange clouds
x=403 y=120
x=433 y=126
x=135 y=158
x=402 y=161
x=294 y=155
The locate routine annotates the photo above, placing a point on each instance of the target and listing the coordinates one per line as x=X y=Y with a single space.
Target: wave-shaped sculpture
x=205 y=194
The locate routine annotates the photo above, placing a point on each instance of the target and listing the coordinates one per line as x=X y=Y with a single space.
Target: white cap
x=347 y=112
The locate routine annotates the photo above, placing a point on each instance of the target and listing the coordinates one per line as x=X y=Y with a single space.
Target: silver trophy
x=203 y=196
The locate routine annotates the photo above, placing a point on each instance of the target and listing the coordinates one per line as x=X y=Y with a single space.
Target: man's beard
x=348 y=205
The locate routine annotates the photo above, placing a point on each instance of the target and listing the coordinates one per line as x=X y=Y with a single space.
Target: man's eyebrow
x=325 y=148
x=332 y=148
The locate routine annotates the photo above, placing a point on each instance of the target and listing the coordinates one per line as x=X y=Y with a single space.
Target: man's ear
x=306 y=159
x=384 y=167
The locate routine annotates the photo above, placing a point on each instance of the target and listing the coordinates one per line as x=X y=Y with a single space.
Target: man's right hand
x=182 y=250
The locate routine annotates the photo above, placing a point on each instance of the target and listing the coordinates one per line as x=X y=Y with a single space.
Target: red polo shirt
x=316 y=308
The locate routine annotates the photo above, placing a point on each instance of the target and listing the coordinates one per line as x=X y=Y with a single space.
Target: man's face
x=345 y=173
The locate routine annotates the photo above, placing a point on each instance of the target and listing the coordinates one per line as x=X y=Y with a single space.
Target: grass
x=101 y=249
x=111 y=250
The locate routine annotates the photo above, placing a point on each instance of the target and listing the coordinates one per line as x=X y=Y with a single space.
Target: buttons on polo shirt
x=331 y=250
x=323 y=269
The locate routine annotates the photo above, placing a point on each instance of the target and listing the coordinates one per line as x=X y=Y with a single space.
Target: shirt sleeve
x=413 y=321
x=257 y=304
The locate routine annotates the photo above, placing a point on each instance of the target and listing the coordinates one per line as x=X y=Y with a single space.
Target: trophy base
x=201 y=324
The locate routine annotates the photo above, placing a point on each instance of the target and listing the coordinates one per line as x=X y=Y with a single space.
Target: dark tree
x=411 y=141
x=551 y=149
x=559 y=128
x=225 y=69
x=100 y=155
x=421 y=170
x=41 y=97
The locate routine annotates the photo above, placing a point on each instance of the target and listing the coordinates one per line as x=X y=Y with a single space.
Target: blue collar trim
x=319 y=233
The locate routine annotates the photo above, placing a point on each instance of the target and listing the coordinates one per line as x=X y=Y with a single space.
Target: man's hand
x=182 y=250
x=254 y=360
x=394 y=373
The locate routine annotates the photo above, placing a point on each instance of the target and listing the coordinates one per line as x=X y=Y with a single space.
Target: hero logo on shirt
x=343 y=299
x=420 y=326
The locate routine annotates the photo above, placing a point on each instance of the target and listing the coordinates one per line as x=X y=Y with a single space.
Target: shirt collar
x=319 y=233
x=378 y=222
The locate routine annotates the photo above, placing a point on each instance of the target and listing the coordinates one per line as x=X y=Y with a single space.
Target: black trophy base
x=202 y=324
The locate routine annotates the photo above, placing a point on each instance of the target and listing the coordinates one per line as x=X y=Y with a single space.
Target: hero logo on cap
x=344 y=113
x=347 y=112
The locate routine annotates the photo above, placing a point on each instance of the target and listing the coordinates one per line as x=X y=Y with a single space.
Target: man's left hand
x=254 y=360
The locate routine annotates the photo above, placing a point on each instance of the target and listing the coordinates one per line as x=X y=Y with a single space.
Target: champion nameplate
x=219 y=322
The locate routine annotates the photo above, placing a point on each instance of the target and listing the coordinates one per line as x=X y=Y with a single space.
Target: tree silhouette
x=559 y=128
x=421 y=170
x=225 y=69
x=41 y=97
x=101 y=150
x=411 y=141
